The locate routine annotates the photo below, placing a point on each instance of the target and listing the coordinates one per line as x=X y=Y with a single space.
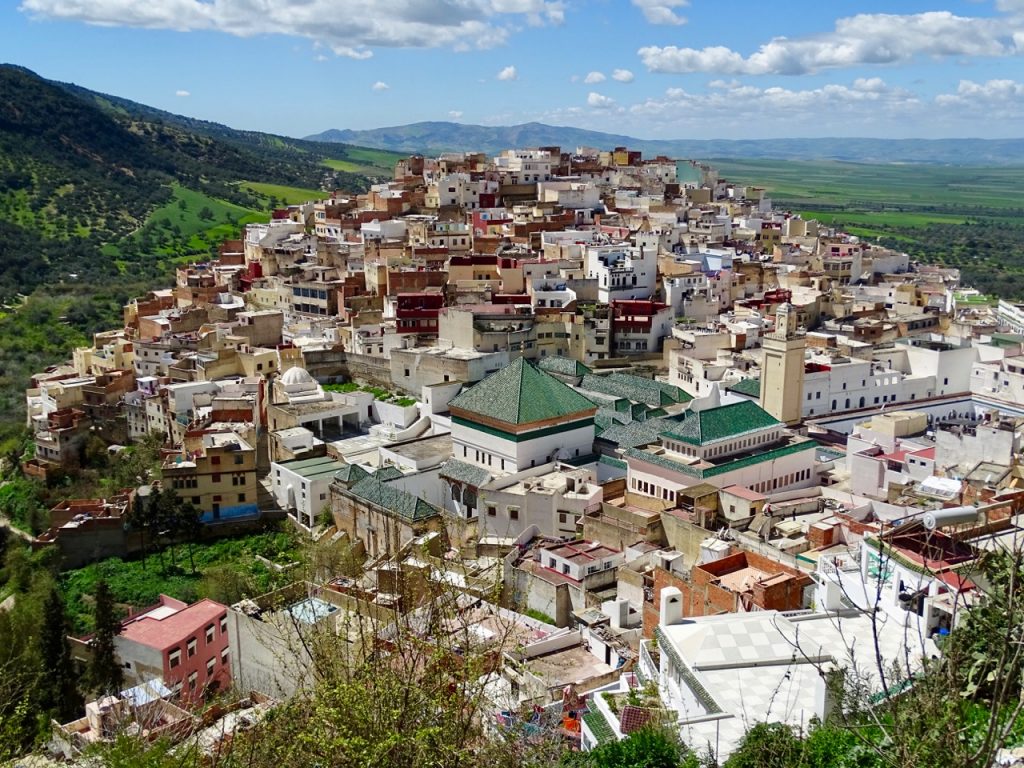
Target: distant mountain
x=432 y=138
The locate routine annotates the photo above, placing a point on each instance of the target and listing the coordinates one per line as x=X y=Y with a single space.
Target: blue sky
x=648 y=68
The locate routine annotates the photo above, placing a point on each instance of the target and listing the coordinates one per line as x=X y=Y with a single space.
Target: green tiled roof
x=635 y=388
x=722 y=423
x=395 y=500
x=461 y=472
x=521 y=394
x=612 y=462
x=387 y=473
x=599 y=726
x=563 y=365
x=727 y=466
x=350 y=474
x=637 y=433
x=749 y=387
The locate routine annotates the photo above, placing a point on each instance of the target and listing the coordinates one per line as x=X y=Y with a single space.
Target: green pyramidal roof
x=721 y=423
x=521 y=394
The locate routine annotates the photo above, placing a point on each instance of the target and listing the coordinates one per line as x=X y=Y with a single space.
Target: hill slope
x=81 y=173
x=435 y=137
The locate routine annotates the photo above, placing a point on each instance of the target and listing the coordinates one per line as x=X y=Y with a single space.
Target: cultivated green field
x=913 y=189
x=373 y=162
x=283 y=194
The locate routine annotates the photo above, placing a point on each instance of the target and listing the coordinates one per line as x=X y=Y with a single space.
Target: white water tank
x=940 y=518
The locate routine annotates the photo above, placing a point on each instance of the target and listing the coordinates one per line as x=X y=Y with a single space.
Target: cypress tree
x=105 y=673
x=58 y=690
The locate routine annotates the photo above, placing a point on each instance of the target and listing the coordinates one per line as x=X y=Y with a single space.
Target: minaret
x=782 y=369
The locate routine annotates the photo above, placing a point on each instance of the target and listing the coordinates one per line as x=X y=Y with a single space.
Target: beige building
x=782 y=371
x=216 y=471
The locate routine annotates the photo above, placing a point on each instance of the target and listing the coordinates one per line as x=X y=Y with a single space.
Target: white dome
x=296 y=375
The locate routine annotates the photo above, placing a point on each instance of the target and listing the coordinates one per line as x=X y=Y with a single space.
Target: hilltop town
x=660 y=450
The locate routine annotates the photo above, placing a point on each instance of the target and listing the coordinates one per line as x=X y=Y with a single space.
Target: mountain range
x=432 y=138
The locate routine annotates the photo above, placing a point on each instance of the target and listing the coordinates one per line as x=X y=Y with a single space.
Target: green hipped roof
x=563 y=365
x=387 y=473
x=394 y=500
x=750 y=387
x=350 y=474
x=637 y=433
x=521 y=394
x=722 y=423
x=635 y=388
x=462 y=472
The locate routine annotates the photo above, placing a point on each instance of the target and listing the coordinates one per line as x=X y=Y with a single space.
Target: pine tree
x=58 y=691
x=105 y=674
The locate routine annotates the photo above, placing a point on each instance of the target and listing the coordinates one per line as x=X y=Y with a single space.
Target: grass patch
x=226 y=570
x=281 y=193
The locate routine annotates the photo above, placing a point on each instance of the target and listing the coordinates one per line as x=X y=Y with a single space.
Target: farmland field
x=966 y=217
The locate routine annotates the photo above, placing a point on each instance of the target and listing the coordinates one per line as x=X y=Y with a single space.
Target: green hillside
x=101 y=196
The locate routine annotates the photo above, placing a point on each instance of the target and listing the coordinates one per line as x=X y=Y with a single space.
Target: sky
x=671 y=69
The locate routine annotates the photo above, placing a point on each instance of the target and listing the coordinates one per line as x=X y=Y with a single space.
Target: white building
x=622 y=272
x=302 y=487
x=517 y=418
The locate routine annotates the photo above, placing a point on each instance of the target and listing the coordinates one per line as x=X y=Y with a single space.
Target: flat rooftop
x=570 y=665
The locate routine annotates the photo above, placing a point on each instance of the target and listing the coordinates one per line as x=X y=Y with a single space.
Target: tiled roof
x=612 y=462
x=350 y=474
x=395 y=500
x=599 y=726
x=563 y=365
x=635 y=388
x=637 y=433
x=387 y=473
x=461 y=472
x=721 y=423
x=750 y=387
x=719 y=469
x=521 y=394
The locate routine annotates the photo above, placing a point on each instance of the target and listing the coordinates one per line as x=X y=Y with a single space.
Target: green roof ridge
x=522 y=393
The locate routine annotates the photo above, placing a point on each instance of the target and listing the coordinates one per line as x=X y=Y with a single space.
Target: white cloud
x=597 y=101
x=622 y=75
x=865 y=101
x=508 y=73
x=662 y=11
x=455 y=114
x=878 y=38
x=594 y=77
x=1000 y=99
x=380 y=85
x=354 y=31
x=182 y=93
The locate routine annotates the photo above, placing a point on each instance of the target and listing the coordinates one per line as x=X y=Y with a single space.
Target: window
x=216 y=477
x=210 y=666
x=513 y=513
x=224 y=656
x=209 y=634
x=239 y=459
x=565 y=568
x=491 y=510
x=241 y=498
x=191 y=647
x=215 y=459
x=223 y=625
x=174 y=658
x=192 y=681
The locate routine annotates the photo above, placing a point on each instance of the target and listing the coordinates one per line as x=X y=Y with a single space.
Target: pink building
x=184 y=645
